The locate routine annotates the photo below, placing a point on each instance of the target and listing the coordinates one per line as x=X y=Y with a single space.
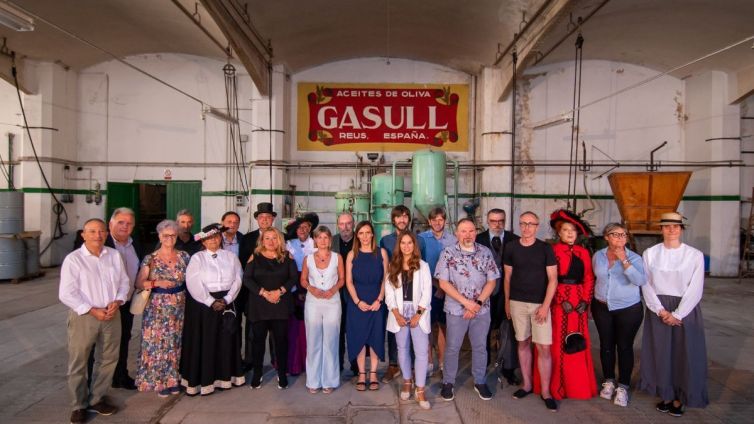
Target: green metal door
x=185 y=195
x=121 y=195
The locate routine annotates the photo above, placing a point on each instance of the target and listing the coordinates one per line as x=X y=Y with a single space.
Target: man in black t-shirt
x=531 y=277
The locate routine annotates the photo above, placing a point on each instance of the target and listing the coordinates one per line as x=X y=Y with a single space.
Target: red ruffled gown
x=572 y=374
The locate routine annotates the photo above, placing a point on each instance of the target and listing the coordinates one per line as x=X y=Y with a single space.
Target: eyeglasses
x=618 y=235
x=496 y=221
x=168 y=235
x=528 y=224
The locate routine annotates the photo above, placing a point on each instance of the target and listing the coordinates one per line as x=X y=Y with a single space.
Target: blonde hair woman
x=270 y=275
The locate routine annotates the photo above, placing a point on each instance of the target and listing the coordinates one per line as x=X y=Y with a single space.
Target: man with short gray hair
x=185 y=240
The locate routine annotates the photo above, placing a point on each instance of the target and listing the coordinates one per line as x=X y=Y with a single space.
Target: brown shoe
x=78 y=416
x=103 y=408
x=391 y=373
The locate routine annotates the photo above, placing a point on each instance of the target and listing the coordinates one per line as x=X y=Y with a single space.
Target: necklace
x=321 y=259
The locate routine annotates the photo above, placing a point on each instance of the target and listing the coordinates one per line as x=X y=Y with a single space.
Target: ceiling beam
x=527 y=41
x=253 y=52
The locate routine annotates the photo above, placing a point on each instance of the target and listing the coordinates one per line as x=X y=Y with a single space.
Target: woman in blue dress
x=366 y=266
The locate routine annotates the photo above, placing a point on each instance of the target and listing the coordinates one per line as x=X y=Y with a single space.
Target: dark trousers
x=617 y=329
x=126 y=324
x=342 y=340
x=244 y=330
x=279 y=330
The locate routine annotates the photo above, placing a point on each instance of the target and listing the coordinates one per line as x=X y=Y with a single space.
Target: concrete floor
x=33 y=365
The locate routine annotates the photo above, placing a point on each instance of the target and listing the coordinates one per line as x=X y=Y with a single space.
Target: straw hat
x=672 y=218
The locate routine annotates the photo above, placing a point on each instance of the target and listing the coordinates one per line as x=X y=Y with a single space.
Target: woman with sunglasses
x=617 y=310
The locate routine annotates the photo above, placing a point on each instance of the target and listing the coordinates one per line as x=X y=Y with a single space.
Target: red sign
x=342 y=115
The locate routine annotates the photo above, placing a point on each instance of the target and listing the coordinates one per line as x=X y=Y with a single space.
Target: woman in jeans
x=408 y=293
x=617 y=309
x=322 y=277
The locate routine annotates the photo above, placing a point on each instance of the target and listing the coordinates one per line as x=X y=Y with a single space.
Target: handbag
x=139 y=301
x=141 y=297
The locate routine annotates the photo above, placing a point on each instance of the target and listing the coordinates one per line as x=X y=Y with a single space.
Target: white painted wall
x=109 y=113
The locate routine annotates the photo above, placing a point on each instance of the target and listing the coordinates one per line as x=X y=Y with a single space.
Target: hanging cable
x=575 y=115
x=269 y=107
x=61 y=215
x=514 y=61
x=233 y=128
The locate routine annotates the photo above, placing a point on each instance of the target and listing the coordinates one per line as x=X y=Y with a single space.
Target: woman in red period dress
x=572 y=371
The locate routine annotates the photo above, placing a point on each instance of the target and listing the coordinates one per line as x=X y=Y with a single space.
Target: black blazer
x=484 y=240
x=246 y=247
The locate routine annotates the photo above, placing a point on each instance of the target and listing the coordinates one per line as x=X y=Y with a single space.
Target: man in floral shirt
x=467 y=273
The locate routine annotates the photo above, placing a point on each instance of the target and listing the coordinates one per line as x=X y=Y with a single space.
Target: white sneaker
x=608 y=388
x=621 y=397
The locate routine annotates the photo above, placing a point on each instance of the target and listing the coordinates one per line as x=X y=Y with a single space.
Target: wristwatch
x=626 y=262
x=479 y=302
x=420 y=311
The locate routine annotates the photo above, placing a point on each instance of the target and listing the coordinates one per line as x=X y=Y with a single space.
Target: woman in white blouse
x=674 y=354
x=322 y=277
x=211 y=354
x=408 y=293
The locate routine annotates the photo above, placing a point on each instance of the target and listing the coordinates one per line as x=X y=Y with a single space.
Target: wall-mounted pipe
x=456 y=170
x=652 y=167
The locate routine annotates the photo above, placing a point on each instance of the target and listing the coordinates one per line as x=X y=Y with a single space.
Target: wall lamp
x=14 y=18
x=218 y=114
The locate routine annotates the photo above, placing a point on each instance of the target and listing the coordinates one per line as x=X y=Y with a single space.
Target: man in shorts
x=531 y=277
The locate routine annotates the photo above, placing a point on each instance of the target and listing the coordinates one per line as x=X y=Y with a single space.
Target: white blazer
x=422 y=296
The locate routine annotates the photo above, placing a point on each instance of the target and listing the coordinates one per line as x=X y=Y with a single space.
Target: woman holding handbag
x=163 y=278
x=408 y=293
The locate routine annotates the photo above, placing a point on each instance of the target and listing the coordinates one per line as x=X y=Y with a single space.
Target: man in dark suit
x=121 y=227
x=342 y=243
x=265 y=216
x=496 y=238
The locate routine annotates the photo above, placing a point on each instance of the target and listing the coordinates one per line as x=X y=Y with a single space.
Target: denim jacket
x=617 y=287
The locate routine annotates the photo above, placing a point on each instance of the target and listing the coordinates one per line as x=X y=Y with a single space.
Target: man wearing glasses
x=496 y=239
x=531 y=277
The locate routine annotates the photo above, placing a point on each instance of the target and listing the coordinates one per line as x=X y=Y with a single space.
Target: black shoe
x=447 y=392
x=256 y=380
x=483 y=391
x=282 y=382
x=675 y=411
x=102 y=408
x=78 y=416
x=521 y=393
x=664 y=406
x=551 y=404
x=126 y=383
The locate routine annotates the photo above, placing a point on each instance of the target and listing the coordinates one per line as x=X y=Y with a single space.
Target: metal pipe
x=10 y=161
x=652 y=167
x=737 y=163
x=392 y=189
x=455 y=194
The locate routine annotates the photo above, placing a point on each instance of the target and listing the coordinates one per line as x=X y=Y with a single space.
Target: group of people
x=321 y=296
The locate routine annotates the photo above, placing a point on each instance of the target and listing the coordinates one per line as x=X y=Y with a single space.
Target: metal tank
x=12 y=258
x=31 y=246
x=354 y=201
x=387 y=192
x=11 y=212
x=428 y=181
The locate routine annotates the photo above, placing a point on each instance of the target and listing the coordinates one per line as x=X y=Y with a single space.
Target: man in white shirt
x=93 y=284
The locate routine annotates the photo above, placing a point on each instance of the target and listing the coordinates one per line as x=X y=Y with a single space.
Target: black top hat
x=265 y=207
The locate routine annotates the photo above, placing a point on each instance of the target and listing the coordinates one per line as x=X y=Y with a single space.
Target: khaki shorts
x=525 y=325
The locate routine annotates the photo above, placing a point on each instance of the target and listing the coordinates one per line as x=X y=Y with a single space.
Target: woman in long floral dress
x=163 y=272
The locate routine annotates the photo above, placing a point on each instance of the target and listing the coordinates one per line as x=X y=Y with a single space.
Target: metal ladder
x=745 y=268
